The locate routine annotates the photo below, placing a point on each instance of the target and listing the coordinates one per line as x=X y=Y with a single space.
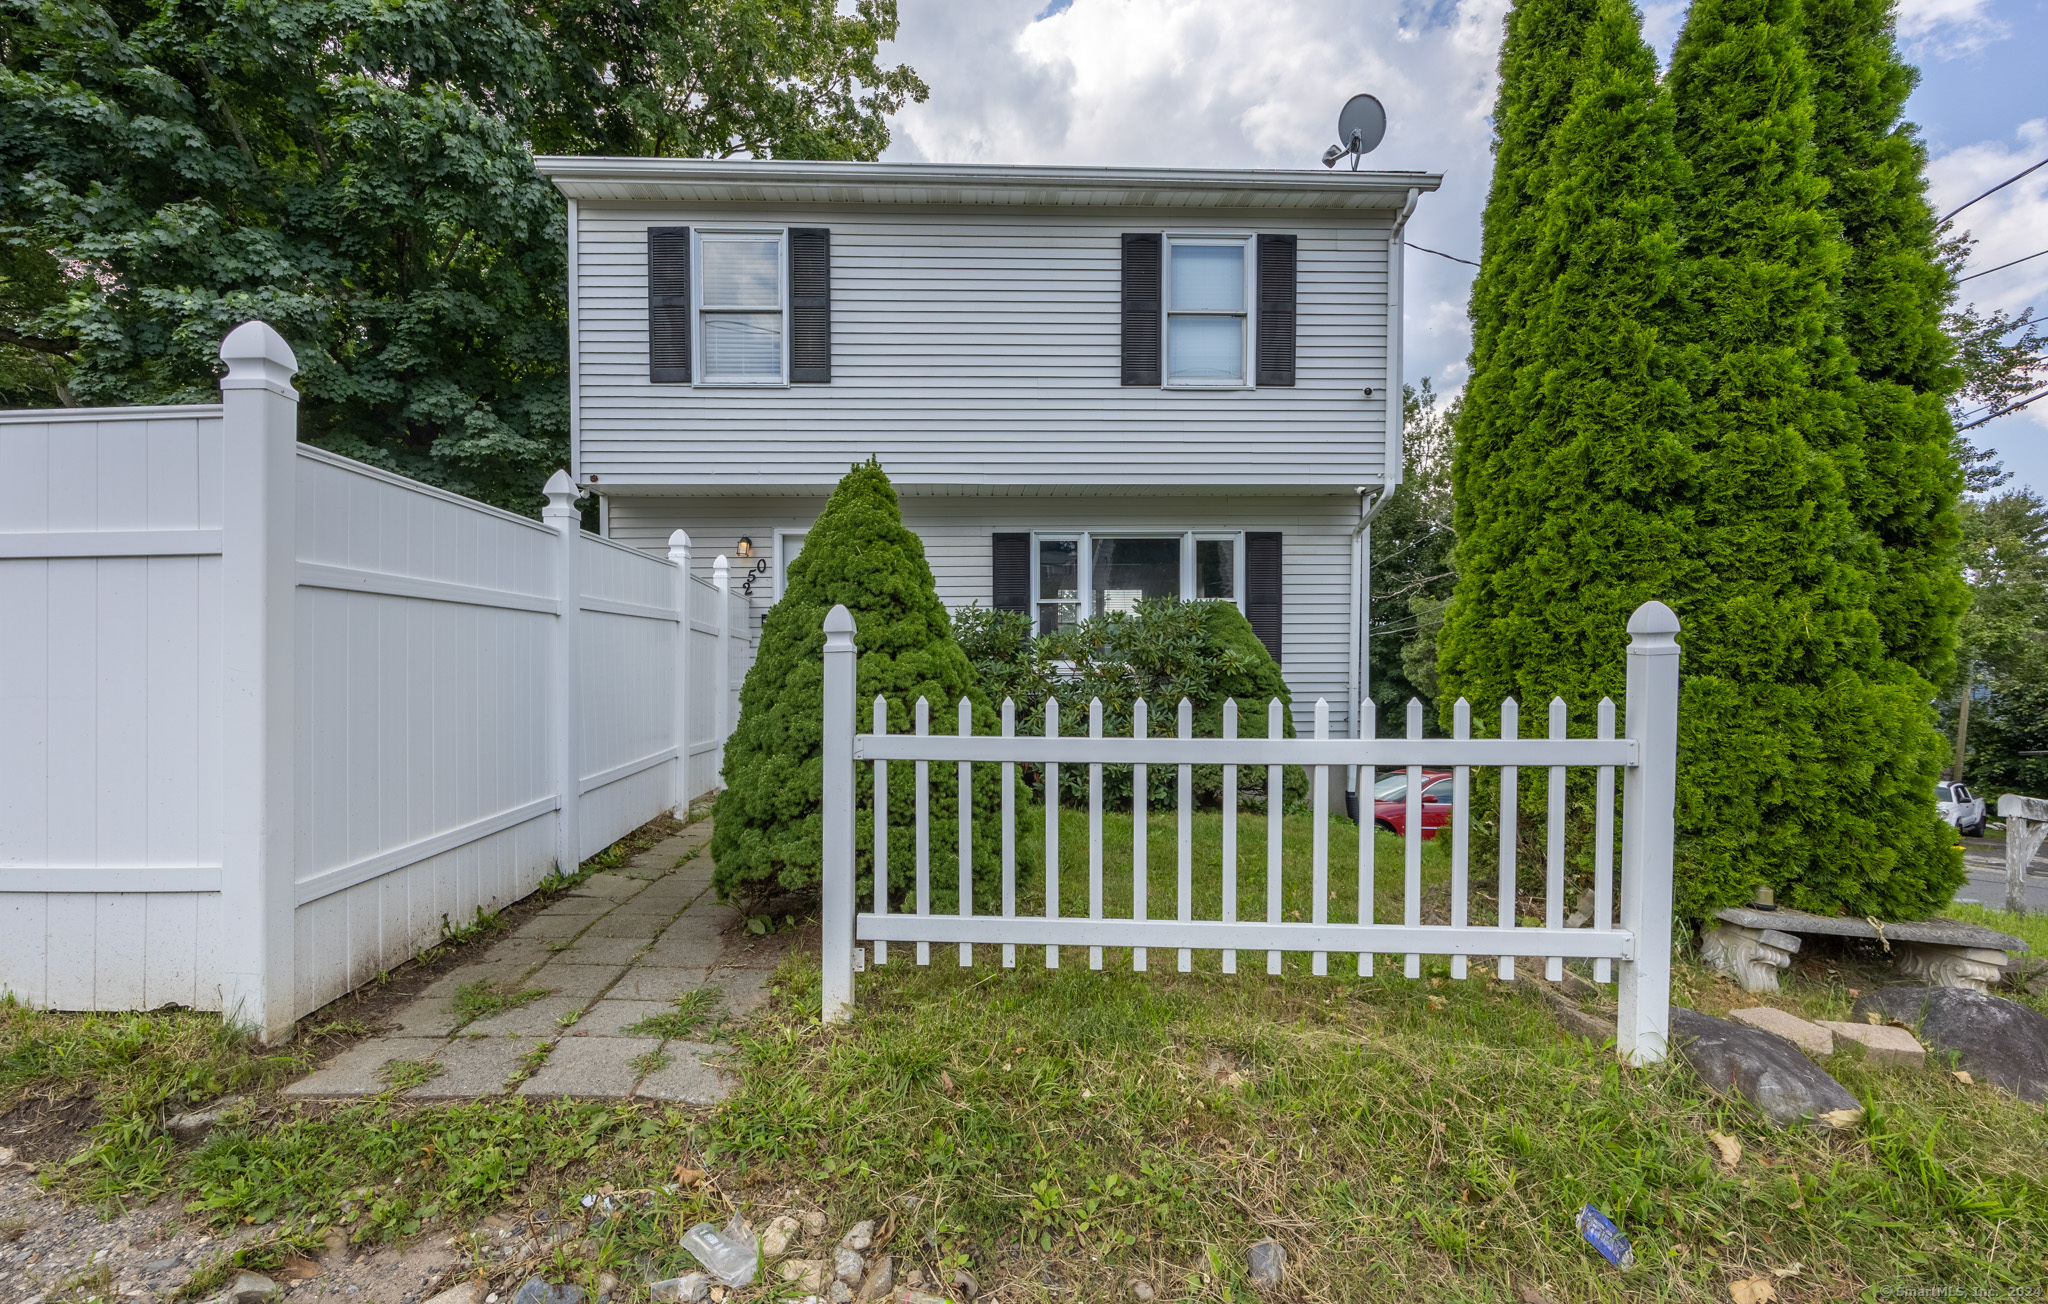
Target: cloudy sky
x=1222 y=83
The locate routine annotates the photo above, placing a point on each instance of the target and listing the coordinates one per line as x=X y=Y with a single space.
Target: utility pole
x=1962 y=729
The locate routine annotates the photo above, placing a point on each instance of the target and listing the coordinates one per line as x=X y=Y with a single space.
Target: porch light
x=746 y=546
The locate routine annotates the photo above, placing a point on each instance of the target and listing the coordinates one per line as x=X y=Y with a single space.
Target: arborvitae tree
x=1904 y=482
x=1575 y=506
x=768 y=838
x=1538 y=53
x=1792 y=768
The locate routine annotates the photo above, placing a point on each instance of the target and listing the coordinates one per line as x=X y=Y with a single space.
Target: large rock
x=1767 y=1071
x=1999 y=1041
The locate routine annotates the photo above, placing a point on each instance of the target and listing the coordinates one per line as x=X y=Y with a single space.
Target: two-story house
x=1089 y=385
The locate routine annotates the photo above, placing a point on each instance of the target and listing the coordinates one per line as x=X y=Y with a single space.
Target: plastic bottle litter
x=1605 y=1237
x=730 y=1258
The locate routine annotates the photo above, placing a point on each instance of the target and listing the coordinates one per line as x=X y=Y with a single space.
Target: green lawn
x=1405 y=1140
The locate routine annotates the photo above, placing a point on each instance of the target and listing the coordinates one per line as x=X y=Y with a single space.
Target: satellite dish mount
x=1361 y=126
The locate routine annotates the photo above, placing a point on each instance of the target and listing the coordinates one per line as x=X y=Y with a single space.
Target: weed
x=95 y=1283
x=565 y=944
x=482 y=999
x=652 y=1061
x=568 y=1020
x=12 y=1230
x=404 y=1075
x=694 y=1009
x=266 y=1256
x=530 y=1062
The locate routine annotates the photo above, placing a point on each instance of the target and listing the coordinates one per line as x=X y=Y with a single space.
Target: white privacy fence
x=1645 y=756
x=270 y=717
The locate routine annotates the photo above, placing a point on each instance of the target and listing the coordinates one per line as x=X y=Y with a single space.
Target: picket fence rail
x=1645 y=755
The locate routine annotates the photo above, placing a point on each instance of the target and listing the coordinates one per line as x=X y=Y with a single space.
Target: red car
x=1390 y=802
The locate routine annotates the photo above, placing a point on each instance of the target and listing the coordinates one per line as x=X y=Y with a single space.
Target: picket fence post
x=258 y=578
x=837 y=867
x=562 y=517
x=1649 y=794
x=679 y=553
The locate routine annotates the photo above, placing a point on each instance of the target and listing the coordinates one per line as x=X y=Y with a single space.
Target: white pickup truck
x=1960 y=807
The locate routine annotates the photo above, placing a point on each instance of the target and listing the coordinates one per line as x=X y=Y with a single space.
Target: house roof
x=776 y=181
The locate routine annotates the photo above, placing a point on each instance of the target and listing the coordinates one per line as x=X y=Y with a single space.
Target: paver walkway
x=587 y=974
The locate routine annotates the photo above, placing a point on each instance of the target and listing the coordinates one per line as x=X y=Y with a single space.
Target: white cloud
x=1947 y=28
x=1201 y=83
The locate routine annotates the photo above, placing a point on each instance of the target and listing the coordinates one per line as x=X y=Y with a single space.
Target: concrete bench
x=1752 y=945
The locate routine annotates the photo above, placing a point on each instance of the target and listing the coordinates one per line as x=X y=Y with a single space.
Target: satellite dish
x=1361 y=126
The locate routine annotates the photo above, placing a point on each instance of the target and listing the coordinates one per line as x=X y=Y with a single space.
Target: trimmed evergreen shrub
x=768 y=837
x=1802 y=764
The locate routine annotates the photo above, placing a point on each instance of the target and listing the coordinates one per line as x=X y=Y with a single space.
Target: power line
x=1995 y=189
x=2010 y=407
x=2001 y=267
x=1467 y=261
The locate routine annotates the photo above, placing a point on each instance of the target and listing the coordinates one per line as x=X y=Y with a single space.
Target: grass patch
x=483 y=999
x=695 y=1009
x=404 y=1075
x=265 y=1256
x=128 y=1073
x=1102 y=1125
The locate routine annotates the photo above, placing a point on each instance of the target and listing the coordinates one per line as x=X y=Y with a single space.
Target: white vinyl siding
x=983 y=349
x=1315 y=553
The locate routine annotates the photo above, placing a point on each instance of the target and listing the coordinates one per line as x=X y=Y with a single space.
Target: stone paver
x=541 y=1018
x=603 y=950
x=563 y=977
x=594 y=1066
x=1882 y=1044
x=646 y=982
x=472 y=1066
x=644 y=927
x=618 y=950
x=687 y=1078
x=610 y=1018
x=1814 y=1039
x=357 y=1070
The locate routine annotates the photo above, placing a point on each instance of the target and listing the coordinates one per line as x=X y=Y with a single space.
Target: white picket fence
x=1645 y=755
x=269 y=717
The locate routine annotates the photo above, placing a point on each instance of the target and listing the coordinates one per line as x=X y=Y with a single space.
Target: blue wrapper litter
x=1605 y=1237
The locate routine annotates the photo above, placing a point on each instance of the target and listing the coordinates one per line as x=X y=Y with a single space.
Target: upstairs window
x=1206 y=318
x=741 y=307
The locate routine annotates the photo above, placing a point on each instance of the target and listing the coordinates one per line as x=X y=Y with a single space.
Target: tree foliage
x=358 y=174
x=1413 y=540
x=2004 y=654
x=769 y=838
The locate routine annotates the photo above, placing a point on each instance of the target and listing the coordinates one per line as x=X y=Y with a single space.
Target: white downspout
x=1361 y=535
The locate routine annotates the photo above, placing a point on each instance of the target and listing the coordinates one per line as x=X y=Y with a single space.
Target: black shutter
x=1276 y=310
x=1262 y=587
x=810 y=305
x=1010 y=555
x=668 y=305
x=1141 y=308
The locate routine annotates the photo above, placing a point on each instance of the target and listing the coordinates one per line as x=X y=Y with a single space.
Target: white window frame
x=1167 y=313
x=1085 y=559
x=698 y=311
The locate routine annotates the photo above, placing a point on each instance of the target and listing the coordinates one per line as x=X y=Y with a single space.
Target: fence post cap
x=258 y=358
x=678 y=539
x=1652 y=618
x=839 y=624
x=561 y=494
